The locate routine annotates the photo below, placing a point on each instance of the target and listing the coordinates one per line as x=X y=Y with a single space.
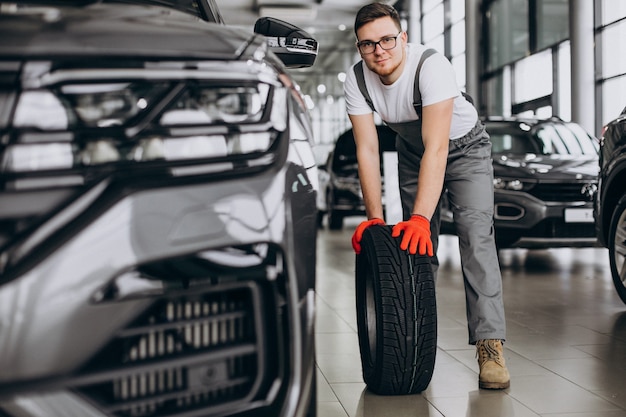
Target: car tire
x=617 y=248
x=396 y=315
x=312 y=410
x=320 y=219
x=335 y=218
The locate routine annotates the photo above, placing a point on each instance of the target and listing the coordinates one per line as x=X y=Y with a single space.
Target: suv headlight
x=75 y=125
x=511 y=184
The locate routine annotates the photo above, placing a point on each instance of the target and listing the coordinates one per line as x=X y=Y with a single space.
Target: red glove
x=358 y=233
x=416 y=234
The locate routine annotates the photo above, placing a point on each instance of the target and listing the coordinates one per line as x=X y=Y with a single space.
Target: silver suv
x=157 y=213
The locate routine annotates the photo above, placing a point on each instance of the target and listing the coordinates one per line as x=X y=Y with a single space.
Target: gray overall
x=469 y=180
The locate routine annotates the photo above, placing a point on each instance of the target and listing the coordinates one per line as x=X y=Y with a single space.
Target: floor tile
x=565 y=346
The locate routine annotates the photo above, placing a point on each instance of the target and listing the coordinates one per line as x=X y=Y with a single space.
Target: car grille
x=188 y=354
x=559 y=192
x=557 y=228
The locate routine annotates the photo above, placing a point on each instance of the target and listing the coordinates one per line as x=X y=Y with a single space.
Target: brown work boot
x=493 y=372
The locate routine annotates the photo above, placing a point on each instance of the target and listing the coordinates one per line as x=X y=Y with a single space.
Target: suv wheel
x=617 y=248
x=396 y=315
x=335 y=218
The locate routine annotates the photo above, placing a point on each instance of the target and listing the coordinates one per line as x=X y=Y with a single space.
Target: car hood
x=548 y=167
x=119 y=30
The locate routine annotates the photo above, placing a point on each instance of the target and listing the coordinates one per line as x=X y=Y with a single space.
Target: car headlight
x=37 y=157
x=348 y=184
x=218 y=104
x=140 y=121
x=510 y=184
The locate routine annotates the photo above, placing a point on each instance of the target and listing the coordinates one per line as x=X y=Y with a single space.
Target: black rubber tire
x=617 y=248
x=335 y=220
x=396 y=315
x=312 y=410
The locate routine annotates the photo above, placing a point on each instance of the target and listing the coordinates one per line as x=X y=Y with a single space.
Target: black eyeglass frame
x=360 y=44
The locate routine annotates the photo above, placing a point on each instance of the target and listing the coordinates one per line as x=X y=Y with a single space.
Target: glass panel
x=565 y=82
x=515 y=144
x=533 y=77
x=495 y=94
x=552 y=22
x=568 y=139
x=437 y=43
x=427 y=5
x=457 y=38
x=613 y=57
x=508 y=32
x=457 y=10
x=432 y=23
x=613 y=101
x=613 y=10
x=458 y=63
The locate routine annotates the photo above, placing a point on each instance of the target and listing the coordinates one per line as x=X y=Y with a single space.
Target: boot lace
x=488 y=351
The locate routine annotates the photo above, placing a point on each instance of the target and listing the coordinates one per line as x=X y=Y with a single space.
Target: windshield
x=547 y=139
x=204 y=9
x=566 y=139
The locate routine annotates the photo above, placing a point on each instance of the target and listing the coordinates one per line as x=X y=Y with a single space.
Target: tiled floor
x=565 y=349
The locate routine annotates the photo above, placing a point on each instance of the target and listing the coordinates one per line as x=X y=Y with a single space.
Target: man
x=447 y=146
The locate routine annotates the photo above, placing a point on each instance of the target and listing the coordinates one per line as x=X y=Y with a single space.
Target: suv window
x=566 y=139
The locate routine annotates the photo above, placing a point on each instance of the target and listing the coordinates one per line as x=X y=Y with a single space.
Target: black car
x=610 y=201
x=157 y=213
x=545 y=175
x=340 y=190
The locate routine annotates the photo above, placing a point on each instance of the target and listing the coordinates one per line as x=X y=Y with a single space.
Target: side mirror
x=295 y=47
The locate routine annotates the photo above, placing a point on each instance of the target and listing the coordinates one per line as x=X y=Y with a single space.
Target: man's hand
x=358 y=233
x=416 y=235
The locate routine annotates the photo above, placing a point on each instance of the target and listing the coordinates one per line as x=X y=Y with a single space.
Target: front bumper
x=190 y=300
x=526 y=221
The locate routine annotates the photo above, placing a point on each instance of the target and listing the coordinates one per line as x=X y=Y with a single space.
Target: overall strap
x=360 y=80
x=417 y=96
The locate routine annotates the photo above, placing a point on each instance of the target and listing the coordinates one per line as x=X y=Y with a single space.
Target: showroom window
x=533 y=77
x=433 y=24
x=443 y=28
x=610 y=35
x=552 y=22
x=526 y=37
x=507 y=25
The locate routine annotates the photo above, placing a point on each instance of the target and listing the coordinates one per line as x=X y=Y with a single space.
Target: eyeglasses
x=386 y=43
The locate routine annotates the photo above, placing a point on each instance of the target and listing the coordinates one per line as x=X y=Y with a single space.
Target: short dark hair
x=373 y=11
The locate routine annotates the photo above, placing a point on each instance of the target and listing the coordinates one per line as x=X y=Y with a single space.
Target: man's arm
x=366 y=138
x=436 y=120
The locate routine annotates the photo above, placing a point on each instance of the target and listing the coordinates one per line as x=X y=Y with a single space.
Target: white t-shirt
x=394 y=103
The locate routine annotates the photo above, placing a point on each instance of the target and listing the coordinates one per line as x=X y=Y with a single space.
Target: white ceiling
x=321 y=18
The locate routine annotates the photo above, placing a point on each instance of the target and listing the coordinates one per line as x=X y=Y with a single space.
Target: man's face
x=385 y=63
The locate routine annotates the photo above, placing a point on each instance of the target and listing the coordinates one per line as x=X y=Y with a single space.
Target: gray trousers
x=469 y=180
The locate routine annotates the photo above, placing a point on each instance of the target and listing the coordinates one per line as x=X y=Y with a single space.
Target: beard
x=387 y=68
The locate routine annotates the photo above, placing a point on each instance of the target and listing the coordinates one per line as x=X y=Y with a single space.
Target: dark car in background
x=157 y=213
x=545 y=175
x=610 y=201
x=340 y=192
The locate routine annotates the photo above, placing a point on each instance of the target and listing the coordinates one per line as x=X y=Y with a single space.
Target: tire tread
x=407 y=341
